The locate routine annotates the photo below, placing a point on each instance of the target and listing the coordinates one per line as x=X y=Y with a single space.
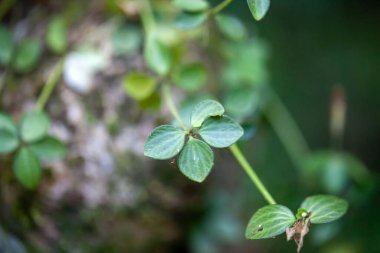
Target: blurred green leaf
x=8 y=141
x=246 y=64
x=48 y=149
x=27 y=168
x=269 y=221
x=27 y=54
x=220 y=132
x=56 y=36
x=187 y=21
x=152 y=102
x=157 y=56
x=324 y=208
x=7 y=123
x=6 y=45
x=204 y=110
x=191 y=77
x=196 y=160
x=231 y=26
x=126 y=40
x=241 y=102
x=258 y=8
x=34 y=126
x=192 y=5
x=139 y=85
x=164 y=142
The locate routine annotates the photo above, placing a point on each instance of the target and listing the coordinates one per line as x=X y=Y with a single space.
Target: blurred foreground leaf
x=34 y=126
x=139 y=85
x=48 y=149
x=27 y=55
x=56 y=36
x=191 y=77
x=6 y=45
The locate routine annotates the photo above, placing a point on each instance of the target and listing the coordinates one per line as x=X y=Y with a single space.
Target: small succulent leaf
x=269 y=221
x=191 y=76
x=34 y=126
x=188 y=21
x=324 y=208
x=164 y=142
x=48 y=149
x=258 y=8
x=56 y=36
x=220 y=131
x=205 y=109
x=27 y=168
x=139 y=85
x=8 y=141
x=157 y=55
x=7 y=123
x=192 y=5
x=196 y=160
x=231 y=27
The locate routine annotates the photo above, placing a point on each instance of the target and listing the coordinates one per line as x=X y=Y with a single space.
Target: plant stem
x=287 y=130
x=50 y=85
x=146 y=15
x=220 y=7
x=169 y=101
x=251 y=173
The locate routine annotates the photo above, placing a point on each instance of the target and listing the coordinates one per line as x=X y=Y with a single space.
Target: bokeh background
x=305 y=58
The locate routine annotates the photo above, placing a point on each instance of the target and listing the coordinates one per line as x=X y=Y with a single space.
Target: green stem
x=287 y=130
x=146 y=15
x=169 y=101
x=50 y=85
x=251 y=173
x=220 y=7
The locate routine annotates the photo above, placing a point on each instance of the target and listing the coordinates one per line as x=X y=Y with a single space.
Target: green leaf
x=204 y=110
x=258 y=8
x=196 y=160
x=8 y=141
x=48 y=149
x=27 y=55
x=139 y=85
x=192 y=5
x=164 y=142
x=231 y=26
x=324 y=208
x=269 y=221
x=7 y=123
x=152 y=102
x=27 y=168
x=56 y=36
x=6 y=45
x=221 y=132
x=126 y=40
x=241 y=102
x=34 y=126
x=157 y=56
x=191 y=77
x=187 y=21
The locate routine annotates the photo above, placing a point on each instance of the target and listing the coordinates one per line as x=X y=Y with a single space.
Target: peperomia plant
x=209 y=126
